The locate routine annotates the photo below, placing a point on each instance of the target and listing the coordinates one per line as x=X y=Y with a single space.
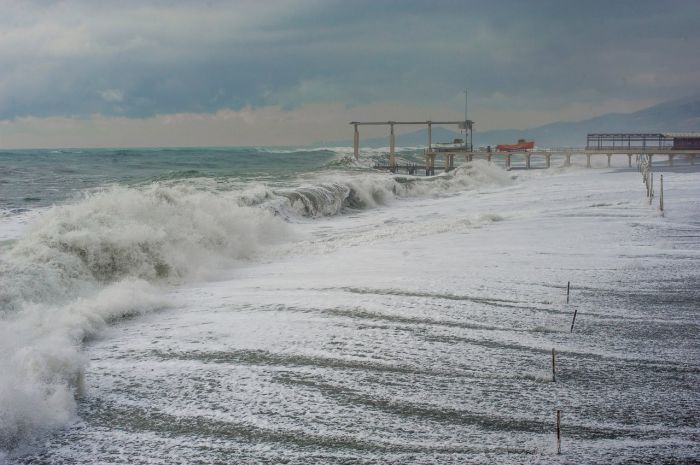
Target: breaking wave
x=107 y=256
x=332 y=194
x=102 y=258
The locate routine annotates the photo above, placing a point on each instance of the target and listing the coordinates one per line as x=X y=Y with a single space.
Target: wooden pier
x=465 y=125
x=669 y=145
x=528 y=159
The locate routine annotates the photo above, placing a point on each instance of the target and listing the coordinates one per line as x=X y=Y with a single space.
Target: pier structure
x=669 y=144
x=465 y=125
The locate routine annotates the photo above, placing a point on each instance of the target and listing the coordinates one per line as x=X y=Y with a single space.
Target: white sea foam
x=107 y=255
x=331 y=193
x=99 y=259
x=412 y=319
x=42 y=366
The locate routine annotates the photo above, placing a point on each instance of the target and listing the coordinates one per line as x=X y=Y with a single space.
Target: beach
x=399 y=320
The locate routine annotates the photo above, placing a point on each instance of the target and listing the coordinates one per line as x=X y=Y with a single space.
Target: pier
x=465 y=125
x=606 y=145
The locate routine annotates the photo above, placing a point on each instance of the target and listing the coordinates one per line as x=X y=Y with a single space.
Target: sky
x=212 y=73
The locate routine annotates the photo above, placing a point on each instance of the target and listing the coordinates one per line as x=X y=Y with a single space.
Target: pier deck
x=597 y=144
x=527 y=158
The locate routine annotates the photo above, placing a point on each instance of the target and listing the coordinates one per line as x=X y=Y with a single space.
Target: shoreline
x=428 y=324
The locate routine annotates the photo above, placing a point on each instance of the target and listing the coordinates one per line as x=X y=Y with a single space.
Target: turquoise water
x=33 y=178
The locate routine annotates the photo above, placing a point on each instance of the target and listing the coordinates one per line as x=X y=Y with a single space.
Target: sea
x=268 y=305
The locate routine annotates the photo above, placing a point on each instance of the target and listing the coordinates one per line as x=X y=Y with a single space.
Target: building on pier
x=643 y=141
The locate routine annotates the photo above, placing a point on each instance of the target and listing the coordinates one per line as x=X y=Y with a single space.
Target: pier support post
x=430 y=136
x=356 y=143
x=527 y=161
x=508 y=161
x=549 y=161
x=609 y=157
x=670 y=159
x=588 y=161
x=429 y=163
x=449 y=161
x=629 y=161
x=392 y=147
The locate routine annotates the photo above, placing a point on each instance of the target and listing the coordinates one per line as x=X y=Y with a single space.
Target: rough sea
x=267 y=305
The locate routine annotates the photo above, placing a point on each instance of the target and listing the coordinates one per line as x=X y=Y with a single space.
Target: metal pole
x=558 y=432
x=471 y=139
x=466 y=113
x=430 y=136
x=392 y=146
x=356 y=143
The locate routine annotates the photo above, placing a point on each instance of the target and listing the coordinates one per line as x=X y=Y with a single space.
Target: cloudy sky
x=144 y=73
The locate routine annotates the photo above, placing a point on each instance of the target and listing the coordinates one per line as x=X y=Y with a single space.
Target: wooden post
x=527 y=160
x=554 y=367
x=508 y=161
x=568 y=289
x=548 y=157
x=646 y=181
x=392 y=146
x=670 y=159
x=568 y=159
x=588 y=161
x=609 y=157
x=558 y=432
x=661 y=194
x=356 y=143
x=573 y=320
x=651 y=188
x=430 y=136
x=629 y=161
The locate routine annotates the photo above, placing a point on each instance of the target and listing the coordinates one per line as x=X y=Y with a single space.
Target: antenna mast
x=466 y=114
x=467 y=130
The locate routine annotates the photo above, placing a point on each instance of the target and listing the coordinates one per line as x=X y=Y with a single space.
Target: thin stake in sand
x=568 y=291
x=558 y=432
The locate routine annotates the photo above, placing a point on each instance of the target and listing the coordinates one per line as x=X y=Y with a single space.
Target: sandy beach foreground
x=421 y=332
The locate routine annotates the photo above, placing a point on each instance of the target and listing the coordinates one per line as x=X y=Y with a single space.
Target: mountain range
x=672 y=116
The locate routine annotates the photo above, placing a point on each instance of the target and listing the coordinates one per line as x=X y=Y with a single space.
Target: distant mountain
x=678 y=115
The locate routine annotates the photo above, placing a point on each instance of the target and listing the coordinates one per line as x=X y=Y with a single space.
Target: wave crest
x=84 y=264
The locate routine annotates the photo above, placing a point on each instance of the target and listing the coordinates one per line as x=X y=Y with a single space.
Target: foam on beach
x=354 y=316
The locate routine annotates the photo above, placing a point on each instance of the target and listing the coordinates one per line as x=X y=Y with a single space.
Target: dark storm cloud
x=136 y=59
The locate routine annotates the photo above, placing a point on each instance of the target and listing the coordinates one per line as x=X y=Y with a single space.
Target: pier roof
x=378 y=123
x=682 y=134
